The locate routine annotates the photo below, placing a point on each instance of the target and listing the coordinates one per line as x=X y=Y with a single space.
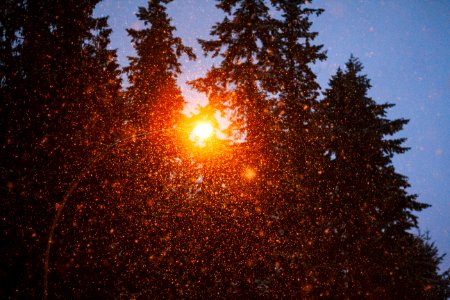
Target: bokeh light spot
x=249 y=173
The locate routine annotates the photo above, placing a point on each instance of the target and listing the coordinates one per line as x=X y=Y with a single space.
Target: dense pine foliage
x=106 y=193
x=368 y=211
x=60 y=104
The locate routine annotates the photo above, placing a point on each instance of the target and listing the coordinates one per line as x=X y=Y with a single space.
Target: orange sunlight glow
x=203 y=130
x=249 y=173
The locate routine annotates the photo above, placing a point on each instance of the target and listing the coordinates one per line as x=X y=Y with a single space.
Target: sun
x=203 y=130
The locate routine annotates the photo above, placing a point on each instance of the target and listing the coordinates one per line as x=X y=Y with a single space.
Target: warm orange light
x=249 y=173
x=203 y=131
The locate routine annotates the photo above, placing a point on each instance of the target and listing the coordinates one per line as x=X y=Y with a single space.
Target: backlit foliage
x=108 y=192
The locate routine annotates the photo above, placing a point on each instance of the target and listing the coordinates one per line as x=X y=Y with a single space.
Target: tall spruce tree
x=264 y=80
x=366 y=209
x=244 y=41
x=131 y=196
x=140 y=181
x=295 y=85
x=156 y=101
x=56 y=119
x=300 y=159
x=295 y=81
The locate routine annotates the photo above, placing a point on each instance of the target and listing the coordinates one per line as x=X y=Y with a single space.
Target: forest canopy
x=110 y=191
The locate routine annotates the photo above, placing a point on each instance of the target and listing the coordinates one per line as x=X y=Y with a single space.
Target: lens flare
x=203 y=130
x=249 y=173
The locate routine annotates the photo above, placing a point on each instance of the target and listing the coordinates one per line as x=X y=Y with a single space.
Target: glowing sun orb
x=203 y=130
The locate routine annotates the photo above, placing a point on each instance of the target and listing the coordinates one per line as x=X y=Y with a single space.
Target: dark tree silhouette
x=156 y=101
x=302 y=200
x=265 y=83
x=59 y=85
x=244 y=42
x=367 y=211
x=243 y=39
x=300 y=161
x=127 y=219
x=419 y=271
x=13 y=237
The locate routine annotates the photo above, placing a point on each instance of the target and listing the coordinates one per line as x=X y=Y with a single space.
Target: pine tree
x=367 y=211
x=300 y=161
x=50 y=48
x=295 y=81
x=419 y=274
x=102 y=85
x=100 y=115
x=140 y=181
x=155 y=99
x=244 y=42
x=296 y=88
x=265 y=83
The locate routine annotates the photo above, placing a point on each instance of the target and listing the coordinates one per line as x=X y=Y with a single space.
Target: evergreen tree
x=137 y=190
x=56 y=119
x=366 y=208
x=244 y=40
x=156 y=101
x=295 y=81
x=12 y=241
x=245 y=43
x=419 y=274
x=300 y=161
x=297 y=91
x=103 y=105
x=265 y=83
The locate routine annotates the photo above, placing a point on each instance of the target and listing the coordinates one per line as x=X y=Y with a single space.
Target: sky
x=403 y=45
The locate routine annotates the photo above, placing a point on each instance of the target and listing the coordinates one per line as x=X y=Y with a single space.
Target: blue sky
x=403 y=45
